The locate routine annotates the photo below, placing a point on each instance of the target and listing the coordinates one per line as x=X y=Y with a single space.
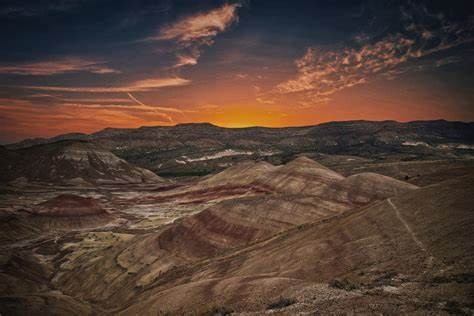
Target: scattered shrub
x=282 y=302
x=343 y=284
x=384 y=279
x=463 y=278
x=454 y=308
x=218 y=311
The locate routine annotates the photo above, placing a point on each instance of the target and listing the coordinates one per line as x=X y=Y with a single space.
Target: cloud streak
x=25 y=119
x=55 y=67
x=130 y=109
x=321 y=73
x=134 y=108
x=140 y=85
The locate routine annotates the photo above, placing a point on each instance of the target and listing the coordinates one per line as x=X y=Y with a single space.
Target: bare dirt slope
x=223 y=228
x=302 y=176
x=414 y=251
x=256 y=238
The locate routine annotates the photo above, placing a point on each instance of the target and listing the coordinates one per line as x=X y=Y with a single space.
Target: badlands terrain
x=339 y=218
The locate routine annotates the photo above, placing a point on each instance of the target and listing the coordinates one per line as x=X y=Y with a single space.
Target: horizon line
x=229 y=127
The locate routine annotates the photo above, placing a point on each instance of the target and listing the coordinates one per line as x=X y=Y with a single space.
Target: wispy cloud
x=24 y=119
x=186 y=60
x=120 y=108
x=55 y=99
x=12 y=102
x=322 y=73
x=241 y=76
x=141 y=85
x=201 y=26
x=164 y=113
x=61 y=66
x=98 y=100
x=262 y=98
x=194 y=32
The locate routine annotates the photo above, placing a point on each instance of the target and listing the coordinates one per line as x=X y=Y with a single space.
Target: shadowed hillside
x=72 y=163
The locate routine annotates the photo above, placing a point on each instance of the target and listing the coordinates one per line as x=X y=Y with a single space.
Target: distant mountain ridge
x=201 y=148
x=208 y=127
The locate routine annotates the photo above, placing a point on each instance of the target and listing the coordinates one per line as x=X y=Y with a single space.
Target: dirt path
x=430 y=258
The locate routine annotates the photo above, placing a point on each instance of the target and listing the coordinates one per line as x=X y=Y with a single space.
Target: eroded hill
x=411 y=253
x=253 y=238
x=70 y=163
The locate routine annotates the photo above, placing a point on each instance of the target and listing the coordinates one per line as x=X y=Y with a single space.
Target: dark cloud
x=60 y=66
x=37 y=8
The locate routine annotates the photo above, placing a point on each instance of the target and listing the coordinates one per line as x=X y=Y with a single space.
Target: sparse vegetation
x=463 y=278
x=384 y=279
x=218 y=311
x=282 y=302
x=344 y=284
x=454 y=308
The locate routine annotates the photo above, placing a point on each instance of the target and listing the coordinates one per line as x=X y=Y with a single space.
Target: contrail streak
x=135 y=99
x=152 y=108
x=159 y=108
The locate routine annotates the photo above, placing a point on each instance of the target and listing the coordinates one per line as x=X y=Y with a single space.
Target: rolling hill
x=224 y=228
x=411 y=253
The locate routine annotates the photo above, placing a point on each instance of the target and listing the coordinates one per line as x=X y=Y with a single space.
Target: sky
x=84 y=65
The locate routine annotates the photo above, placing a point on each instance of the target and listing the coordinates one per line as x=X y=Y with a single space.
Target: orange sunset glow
x=215 y=63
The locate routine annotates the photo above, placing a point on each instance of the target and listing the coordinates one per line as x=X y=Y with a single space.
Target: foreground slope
x=297 y=238
x=298 y=195
x=419 y=245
